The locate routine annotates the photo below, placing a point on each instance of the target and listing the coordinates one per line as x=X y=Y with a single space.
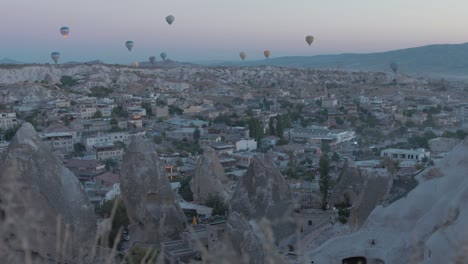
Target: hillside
x=446 y=60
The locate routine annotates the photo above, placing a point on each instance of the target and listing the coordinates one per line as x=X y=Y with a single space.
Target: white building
x=415 y=155
x=62 y=103
x=246 y=144
x=87 y=112
x=137 y=111
x=463 y=114
x=106 y=110
x=8 y=120
x=185 y=132
x=108 y=151
x=114 y=192
x=319 y=135
x=62 y=141
x=106 y=138
x=161 y=111
x=244 y=158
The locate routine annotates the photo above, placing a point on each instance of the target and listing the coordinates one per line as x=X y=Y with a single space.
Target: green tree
x=67 y=81
x=10 y=133
x=100 y=92
x=325 y=180
x=157 y=139
x=196 y=135
x=215 y=201
x=255 y=129
x=174 y=110
x=147 y=107
x=271 y=126
x=282 y=141
x=110 y=163
x=325 y=147
x=79 y=149
x=185 y=190
x=116 y=209
x=141 y=255
x=335 y=157
x=119 y=111
x=98 y=114
x=344 y=209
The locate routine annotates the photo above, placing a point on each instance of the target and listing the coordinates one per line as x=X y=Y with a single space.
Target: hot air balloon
x=309 y=40
x=163 y=55
x=267 y=53
x=135 y=64
x=243 y=55
x=55 y=56
x=152 y=59
x=65 y=31
x=129 y=44
x=170 y=19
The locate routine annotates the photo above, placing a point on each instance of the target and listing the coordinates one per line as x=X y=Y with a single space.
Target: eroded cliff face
x=146 y=191
x=209 y=177
x=366 y=189
x=44 y=213
x=427 y=226
x=263 y=193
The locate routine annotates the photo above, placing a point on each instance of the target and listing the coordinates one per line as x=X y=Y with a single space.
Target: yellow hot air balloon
x=243 y=55
x=267 y=53
x=309 y=40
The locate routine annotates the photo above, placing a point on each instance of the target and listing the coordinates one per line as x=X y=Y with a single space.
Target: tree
x=196 y=135
x=79 y=149
x=139 y=255
x=157 y=139
x=339 y=121
x=119 y=111
x=344 y=209
x=116 y=209
x=185 y=190
x=215 y=201
x=255 y=129
x=110 y=163
x=10 y=133
x=98 y=114
x=147 y=107
x=335 y=157
x=271 y=127
x=100 y=92
x=325 y=180
x=394 y=67
x=325 y=147
x=174 y=110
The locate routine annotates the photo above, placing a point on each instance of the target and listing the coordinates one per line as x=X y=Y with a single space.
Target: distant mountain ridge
x=9 y=61
x=440 y=60
x=449 y=60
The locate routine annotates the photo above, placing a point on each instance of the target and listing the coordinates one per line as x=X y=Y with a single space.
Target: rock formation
x=366 y=189
x=209 y=177
x=238 y=244
x=151 y=207
x=429 y=225
x=45 y=216
x=264 y=193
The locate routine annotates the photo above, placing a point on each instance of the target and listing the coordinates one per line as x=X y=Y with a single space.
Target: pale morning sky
x=220 y=29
